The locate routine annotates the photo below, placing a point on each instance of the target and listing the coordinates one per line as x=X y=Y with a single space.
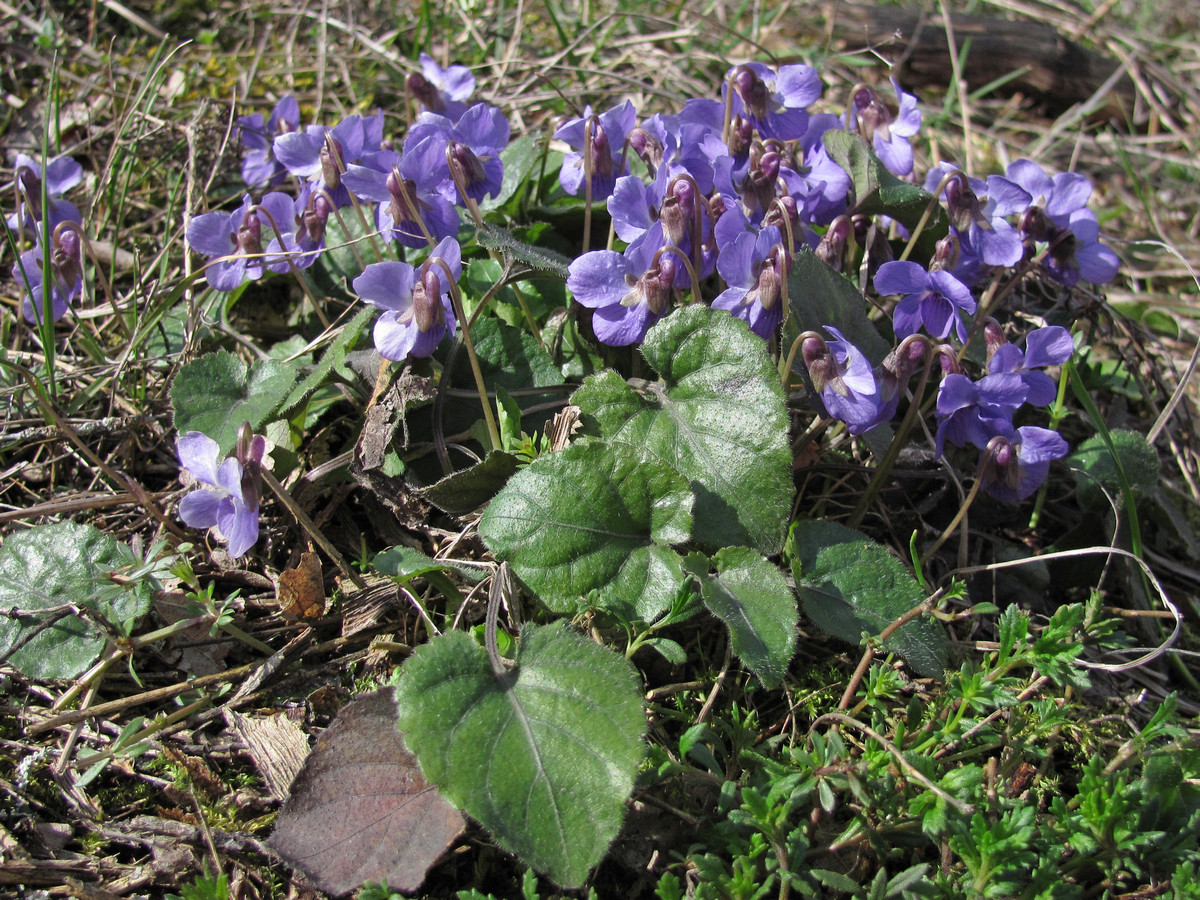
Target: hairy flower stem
x=311 y=528
x=588 y=131
x=985 y=460
x=301 y=279
x=889 y=461
x=456 y=299
x=933 y=204
x=99 y=270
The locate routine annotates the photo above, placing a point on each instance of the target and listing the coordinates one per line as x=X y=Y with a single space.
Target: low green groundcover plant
x=629 y=431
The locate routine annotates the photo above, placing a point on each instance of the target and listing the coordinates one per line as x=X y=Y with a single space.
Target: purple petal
x=1049 y=346
x=597 y=279
x=199 y=509
x=61 y=175
x=239 y=526
x=395 y=339
x=212 y=234
x=901 y=277
x=299 y=153
x=620 y=326
x=198 y=453
x=1005 y=197
x=1071 y=192
x=388 y=285
x=906 y=317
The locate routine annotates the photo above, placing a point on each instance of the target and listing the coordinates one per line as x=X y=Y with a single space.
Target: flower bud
x=249 y=235
x=465 y=166
x=832 y=249
x=427 y=308
x=752 y=90
x=818 y=361
x=993 y=336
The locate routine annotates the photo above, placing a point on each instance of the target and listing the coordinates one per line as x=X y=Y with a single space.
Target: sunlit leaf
x=749 y=594
x=544 y=756
x=216 y=393
x=718 y=418
x=593 y=518
x=48 y=575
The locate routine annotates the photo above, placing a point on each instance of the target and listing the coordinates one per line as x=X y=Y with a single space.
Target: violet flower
x=300 y=235
x=843 y=379
x=936 y=300
x=233 y=241
x=1049 y=346
x=1059 y=217
x=629 y=291
x=774 y=102
x=755 y=268
x=259 y=165
x=417 y=310
x=66 y=276
x=605 y=135
x=321 y=154
x=1020 y=460
x=464 y=156
x=405 y=187
x=61 y=174
x=230 y=501
x=979 y=210
x=887 y=134
x=973 y=412
x=442 y=91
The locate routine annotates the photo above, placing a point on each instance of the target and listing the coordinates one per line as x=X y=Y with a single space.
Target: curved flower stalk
x=774 y=103
x=230 y=500
x=601 y=138
x=843 y=379
x=416 y=304
x=629 y=291
x=1058 y=217
x=233 y=242
x=889 y=135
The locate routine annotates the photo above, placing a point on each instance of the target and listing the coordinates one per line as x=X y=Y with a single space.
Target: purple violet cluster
x=709 y=204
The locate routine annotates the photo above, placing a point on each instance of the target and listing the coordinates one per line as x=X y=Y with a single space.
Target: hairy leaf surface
x=749 y=594
x=45 y=573
x=850 y=585
x=589 y=518
x=544 y=755
x=718 y=418
x=216 y=393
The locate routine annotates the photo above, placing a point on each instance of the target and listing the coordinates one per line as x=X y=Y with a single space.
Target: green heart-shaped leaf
x=849 y=584
x=718 y=419
x=43 y=573
x=593 y=517
x=216 y=393
x=543 y=756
